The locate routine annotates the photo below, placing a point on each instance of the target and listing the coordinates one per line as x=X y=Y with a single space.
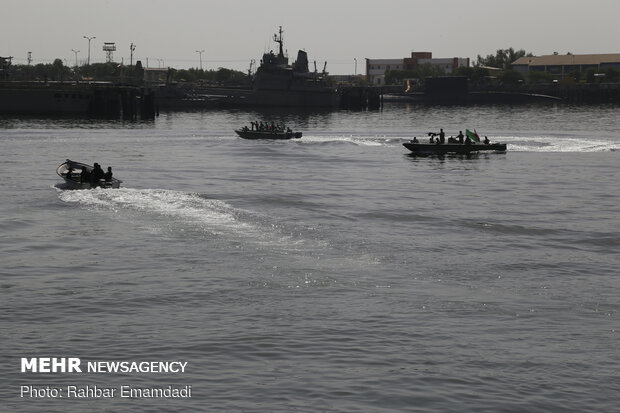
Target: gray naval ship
x=276 y=83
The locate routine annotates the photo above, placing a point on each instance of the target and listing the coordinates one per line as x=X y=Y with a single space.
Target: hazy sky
x=232 y=32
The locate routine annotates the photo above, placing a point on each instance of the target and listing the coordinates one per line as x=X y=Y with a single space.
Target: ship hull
x=460 y=148
x=43 y=100
x=296 y=98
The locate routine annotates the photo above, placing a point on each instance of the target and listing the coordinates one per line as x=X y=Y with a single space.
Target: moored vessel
x=277 y=83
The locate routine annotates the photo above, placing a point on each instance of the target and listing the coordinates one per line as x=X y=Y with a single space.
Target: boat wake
x=175 y=212
x=558 y=144
x=515 y=143
x=352 y=140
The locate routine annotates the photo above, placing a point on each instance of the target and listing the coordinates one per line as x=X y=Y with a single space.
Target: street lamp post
x=89 y=39
x=76 y=52
x=200 y=52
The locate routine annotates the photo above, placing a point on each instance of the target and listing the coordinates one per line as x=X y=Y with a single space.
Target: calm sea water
x=333 y=273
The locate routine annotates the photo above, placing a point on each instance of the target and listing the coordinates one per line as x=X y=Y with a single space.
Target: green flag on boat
x=472 y=135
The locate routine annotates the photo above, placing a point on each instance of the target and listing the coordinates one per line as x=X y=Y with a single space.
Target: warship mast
x=280 y=41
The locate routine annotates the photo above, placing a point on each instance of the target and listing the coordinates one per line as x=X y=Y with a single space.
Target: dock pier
x=97 y=99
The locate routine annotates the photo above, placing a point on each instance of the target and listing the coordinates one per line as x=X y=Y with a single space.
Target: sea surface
x=334 y=273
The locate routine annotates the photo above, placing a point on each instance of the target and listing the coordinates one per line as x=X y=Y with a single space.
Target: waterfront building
x=562 y=65
x=449 y=65
x=156 y=75
x=376 y=68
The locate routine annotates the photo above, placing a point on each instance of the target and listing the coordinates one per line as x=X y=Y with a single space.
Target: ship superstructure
x=278 y=83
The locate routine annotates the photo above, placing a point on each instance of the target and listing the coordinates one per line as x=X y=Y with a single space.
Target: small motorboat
x=461 y=148
x=247 y=133
x=78 y=175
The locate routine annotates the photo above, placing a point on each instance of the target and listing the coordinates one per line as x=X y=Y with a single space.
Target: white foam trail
x=557 y=144
x=163 y=209
x=353 y=139
x=515 y=143
x=182 y=205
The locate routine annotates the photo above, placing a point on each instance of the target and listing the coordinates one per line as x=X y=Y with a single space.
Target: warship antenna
x=279 y=40
x=252 y=63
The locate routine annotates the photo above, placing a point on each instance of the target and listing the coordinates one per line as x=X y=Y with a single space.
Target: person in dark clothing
x=84 y=175
x=96 y=175
x=108 y=175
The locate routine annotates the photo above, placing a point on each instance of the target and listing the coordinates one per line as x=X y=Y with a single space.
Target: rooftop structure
x=109 y=48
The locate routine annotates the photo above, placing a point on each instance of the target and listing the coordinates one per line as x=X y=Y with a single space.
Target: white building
x=376 y=68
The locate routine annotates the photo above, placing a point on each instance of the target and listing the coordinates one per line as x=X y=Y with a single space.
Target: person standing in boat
x=442 y=136
x=460 y=136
